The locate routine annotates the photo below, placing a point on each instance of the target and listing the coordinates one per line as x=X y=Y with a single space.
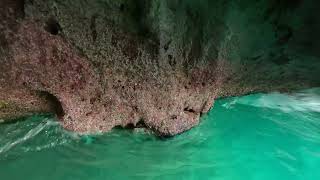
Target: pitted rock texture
x=44 y=62
x=103 y=63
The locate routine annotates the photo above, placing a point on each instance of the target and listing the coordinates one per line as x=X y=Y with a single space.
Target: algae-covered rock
x=3 y=104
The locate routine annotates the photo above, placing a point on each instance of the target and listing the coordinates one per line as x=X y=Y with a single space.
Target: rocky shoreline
x=102 y=63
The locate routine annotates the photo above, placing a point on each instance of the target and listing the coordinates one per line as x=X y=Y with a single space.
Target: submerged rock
x=105 y=63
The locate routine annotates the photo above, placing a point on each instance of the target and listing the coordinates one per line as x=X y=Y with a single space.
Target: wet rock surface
x=102 y=64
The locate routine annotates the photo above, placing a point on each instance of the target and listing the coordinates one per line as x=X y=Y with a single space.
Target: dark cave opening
x=55 y=104
x=52 y=26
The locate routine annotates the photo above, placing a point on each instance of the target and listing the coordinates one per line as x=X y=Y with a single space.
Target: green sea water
x=255 y=137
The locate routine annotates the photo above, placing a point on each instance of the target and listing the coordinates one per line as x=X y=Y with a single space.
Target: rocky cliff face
x=103 y=63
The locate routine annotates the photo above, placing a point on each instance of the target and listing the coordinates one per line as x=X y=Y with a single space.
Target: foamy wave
x=308 y=100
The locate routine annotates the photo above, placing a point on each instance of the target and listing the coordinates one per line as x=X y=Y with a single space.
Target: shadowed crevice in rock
x=52 y=26
x=55 y=103
x=190 y=110
x=131 y=126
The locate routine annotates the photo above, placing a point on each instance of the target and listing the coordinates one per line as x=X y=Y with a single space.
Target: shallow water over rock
x=260 y=136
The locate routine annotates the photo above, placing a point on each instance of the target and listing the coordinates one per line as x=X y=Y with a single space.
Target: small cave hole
x=187 y=109
x=131 y=126
x=54 y=102
x=141 y=124
x=52 y=26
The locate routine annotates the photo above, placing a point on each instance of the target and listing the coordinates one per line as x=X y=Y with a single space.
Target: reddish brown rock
x=42 y=62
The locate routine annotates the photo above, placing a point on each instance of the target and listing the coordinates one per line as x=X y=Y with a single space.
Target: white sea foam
x=308 y=100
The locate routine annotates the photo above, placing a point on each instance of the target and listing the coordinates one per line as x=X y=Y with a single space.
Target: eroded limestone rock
x=161 y=62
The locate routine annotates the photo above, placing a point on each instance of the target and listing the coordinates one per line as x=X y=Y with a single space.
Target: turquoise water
x=256 y=137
